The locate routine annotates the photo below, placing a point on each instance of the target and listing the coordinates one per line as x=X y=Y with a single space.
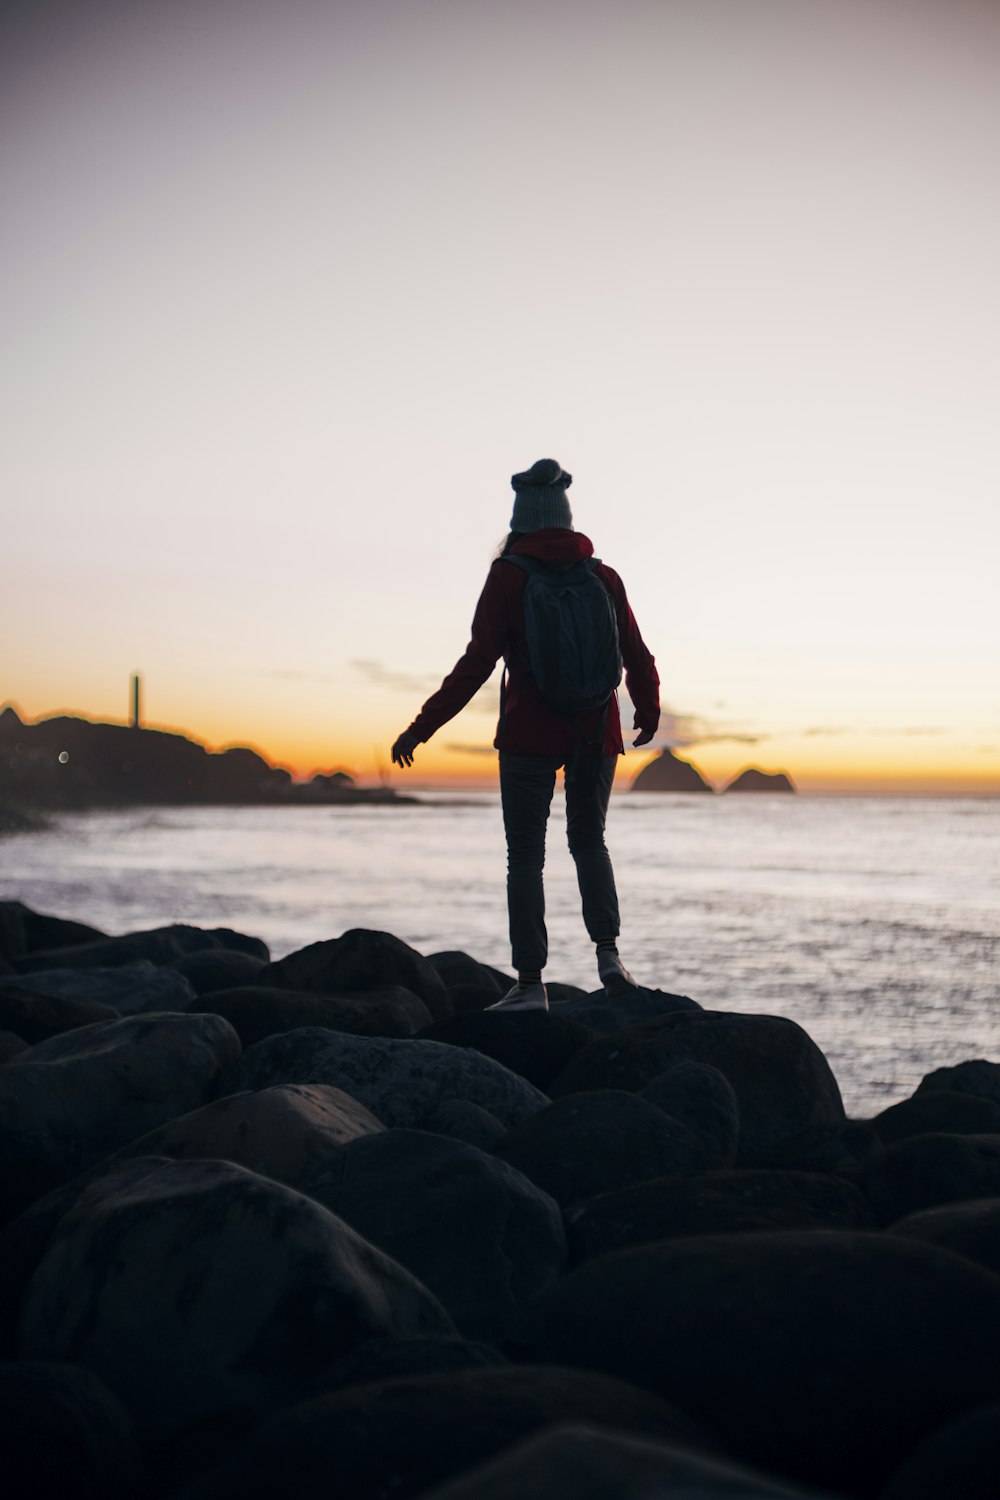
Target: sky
x=290 y=290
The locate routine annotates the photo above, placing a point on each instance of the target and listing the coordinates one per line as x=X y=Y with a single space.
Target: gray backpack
x=572 y=634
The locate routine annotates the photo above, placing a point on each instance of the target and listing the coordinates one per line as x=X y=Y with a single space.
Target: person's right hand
x=642 y=738
x=402 y=750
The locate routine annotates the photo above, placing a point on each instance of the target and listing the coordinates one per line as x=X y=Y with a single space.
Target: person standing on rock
x=561 y=620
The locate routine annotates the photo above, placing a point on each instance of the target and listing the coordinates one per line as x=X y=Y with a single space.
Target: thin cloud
x=400 y=682
x=469 y=749
x=826 y=731
x=289 y=674
x=918 y=729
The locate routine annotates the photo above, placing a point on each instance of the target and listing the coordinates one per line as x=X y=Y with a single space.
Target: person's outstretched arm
x=489 y=636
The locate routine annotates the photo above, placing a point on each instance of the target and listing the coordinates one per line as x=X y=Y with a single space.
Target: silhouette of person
x=535 y=740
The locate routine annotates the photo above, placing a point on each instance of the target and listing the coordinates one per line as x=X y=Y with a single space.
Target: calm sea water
x=874 y=923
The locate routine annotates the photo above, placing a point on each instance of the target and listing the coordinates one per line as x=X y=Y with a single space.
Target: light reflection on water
x=874 y=923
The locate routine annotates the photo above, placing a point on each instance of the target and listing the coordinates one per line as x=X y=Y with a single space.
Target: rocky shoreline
x=326 y=1226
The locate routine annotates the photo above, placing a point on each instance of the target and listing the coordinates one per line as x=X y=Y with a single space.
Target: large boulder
x=284 y=1133
x=214 y=969
x=36 y=1017
x=780 y=1077
x=160 y=945
x=400 y=1436
x=202 y=1292
x=401 y=1082
x=937 y=1111
x=723 y=1202
x=595 y=1463
x=70 y=1101
x=462 y=1121
x=924 y=1171
x=590 y=1143
x=458 y=969
x=536 y=1044
x=481 y=1237
x=959 y=1461
x=360 y=960
x=971 y=1229
x=259 y=1011
x=65 y=1435
x=130 y=989
x=23 y=931
x=390 y=1358
x=824 y=1356
x=977 y=1077
x=703 y=1099
x=604 y=1015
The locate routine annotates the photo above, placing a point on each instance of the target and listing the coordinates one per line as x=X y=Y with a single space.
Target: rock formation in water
x=754 y=780
x=330 y=1225
x=668 y=773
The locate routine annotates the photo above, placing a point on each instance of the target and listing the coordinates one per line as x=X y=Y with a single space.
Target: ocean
x=872 y=922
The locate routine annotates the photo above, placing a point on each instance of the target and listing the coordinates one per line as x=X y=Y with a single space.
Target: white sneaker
x=523 y=997
x=613 y=973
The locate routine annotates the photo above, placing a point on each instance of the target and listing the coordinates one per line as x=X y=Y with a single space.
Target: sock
x=526 y=977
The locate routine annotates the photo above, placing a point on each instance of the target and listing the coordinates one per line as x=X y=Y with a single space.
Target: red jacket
x=529 y=726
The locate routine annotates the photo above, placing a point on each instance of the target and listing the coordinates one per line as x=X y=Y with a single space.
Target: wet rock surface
x=260 y=1011
x=399 y=1081
x=408 y=1246
x=781 y=1079
x=482 y=1237
x=203 y=1290
x=397 y=1437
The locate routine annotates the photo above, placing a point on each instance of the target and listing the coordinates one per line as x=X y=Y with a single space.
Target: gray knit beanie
x=540 y=499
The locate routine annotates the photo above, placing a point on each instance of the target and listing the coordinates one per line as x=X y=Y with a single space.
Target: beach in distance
x=872 y=922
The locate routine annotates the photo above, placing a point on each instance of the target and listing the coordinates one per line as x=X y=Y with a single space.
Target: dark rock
x=398 y=1437
x=977 y=1077
x=754 y=780
x=590 y=1143
x=160 y=945
x=668 y=773
x=630 y=1007
x=971 y=1229
x=455 y=969
x=388 y=1359
x=218 y=969
x=938 y=1111
x=535 y=1044
x=701 y=1098
x=204 y=1291
x=130 y=989
x=715 y=1203
x=23 y=931
x=924 y=1171
x=470 y=998
x=593 y=1463
x=478 y=1235
x=360 y=960
x=401 y=1082
x=825 y=1356
x=563 y=994
x=824 y=1148
x=780 y=1077
x=24 y=1241
x=36 y=1017
x=283 y=1133
x=959 y=1461
x=65 y=1435
x=70 y=1101
x=10 y=1046
x=461 y=1121
x=256 y=1012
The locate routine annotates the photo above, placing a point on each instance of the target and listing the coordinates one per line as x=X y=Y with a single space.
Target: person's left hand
x=402 y=750
x=642 y=738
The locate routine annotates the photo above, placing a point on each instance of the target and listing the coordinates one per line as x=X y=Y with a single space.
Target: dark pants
x=526 y=786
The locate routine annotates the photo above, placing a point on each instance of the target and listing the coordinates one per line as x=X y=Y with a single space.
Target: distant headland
x=668 y=773
x=66 y=763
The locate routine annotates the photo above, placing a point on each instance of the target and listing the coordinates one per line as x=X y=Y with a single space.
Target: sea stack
x=753 y=780
x=667 y=773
